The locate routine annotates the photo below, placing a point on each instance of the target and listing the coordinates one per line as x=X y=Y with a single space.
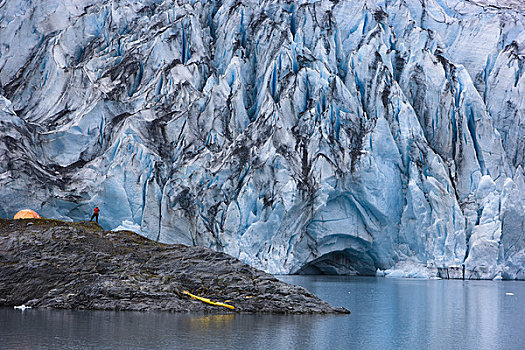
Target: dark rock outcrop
x=56 y=264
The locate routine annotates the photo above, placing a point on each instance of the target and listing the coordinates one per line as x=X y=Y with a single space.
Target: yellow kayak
x=208 y=301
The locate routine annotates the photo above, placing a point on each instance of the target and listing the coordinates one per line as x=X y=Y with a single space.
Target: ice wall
x=312 y=136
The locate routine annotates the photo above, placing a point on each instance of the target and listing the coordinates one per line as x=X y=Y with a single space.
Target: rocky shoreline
x=56 y=264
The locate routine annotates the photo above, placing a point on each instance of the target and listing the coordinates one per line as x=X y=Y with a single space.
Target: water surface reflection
x=386 y=314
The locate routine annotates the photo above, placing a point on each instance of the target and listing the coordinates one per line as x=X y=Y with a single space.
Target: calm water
x=386 y=314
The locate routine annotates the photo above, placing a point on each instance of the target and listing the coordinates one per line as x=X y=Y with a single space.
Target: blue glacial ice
x=350 y=137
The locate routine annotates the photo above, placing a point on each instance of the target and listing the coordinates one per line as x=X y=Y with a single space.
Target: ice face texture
x=334 y=137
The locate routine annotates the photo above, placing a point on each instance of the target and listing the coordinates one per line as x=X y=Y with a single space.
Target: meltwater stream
x=386 y=314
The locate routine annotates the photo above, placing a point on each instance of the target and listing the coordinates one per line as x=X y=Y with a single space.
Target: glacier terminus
x=336 y=137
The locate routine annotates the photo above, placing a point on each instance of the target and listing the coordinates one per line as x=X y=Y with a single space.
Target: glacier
x=339 y=137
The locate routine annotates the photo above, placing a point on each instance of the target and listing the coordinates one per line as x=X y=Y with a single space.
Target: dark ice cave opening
x=345 y=262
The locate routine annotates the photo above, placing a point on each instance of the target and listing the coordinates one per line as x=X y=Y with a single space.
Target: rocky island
x=77 y=265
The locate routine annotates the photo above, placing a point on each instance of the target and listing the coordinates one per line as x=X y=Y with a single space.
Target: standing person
x=95 y=214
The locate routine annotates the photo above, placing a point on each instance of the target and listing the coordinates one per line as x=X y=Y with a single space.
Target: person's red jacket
x=96 y=210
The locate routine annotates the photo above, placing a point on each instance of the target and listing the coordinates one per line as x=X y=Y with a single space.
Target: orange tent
x=27 y=214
